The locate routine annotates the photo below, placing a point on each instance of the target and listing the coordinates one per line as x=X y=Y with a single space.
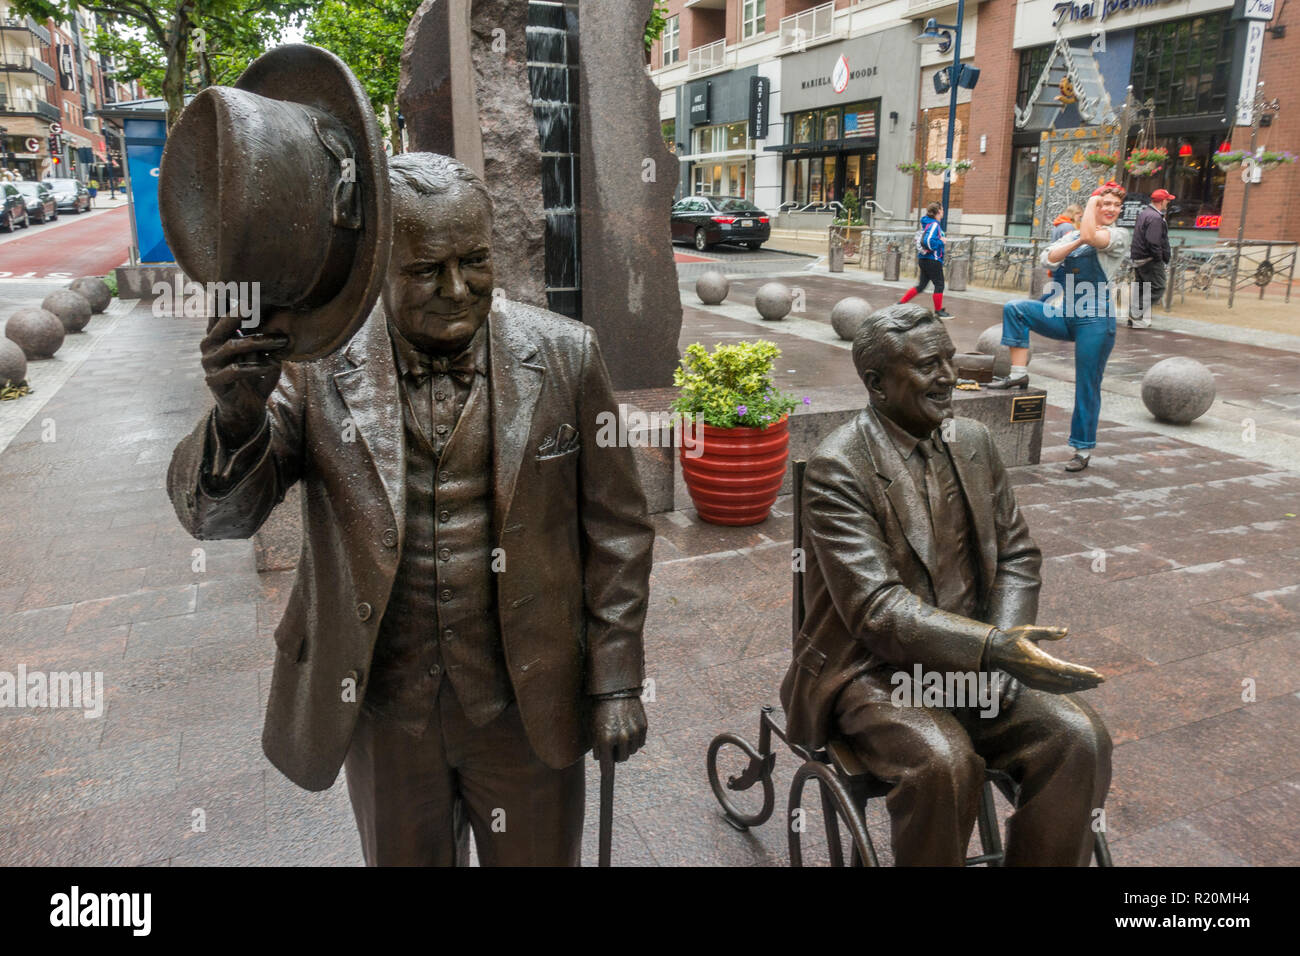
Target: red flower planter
x=736 y=478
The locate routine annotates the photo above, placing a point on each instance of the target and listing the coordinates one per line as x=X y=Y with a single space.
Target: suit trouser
x=413 y=796
x=1093 y=338
x=1148 y=289
x=1055 y=748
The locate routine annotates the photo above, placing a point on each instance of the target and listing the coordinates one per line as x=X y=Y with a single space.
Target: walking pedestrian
x=1067 y=221
x=929 y=259
x=1151 y=256
x=1081 y=310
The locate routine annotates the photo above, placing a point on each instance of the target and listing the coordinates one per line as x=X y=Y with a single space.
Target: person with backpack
x=929 y=259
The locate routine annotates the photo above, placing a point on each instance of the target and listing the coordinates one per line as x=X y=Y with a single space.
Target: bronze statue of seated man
x=919 y=647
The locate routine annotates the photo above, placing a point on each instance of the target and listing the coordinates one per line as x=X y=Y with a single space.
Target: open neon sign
x=1208 y=222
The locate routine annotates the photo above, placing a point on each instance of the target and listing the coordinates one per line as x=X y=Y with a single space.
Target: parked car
x=13 y=211
x=708 y=220
x=41 y=204
x=71 y=194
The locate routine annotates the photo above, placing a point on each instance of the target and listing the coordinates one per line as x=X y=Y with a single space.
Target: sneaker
x=944 y=314
x=1078 y=462
x=1139 y=323
x=1010 y=381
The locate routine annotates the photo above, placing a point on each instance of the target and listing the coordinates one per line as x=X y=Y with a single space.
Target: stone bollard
x=1038 y=281
x=892 y=261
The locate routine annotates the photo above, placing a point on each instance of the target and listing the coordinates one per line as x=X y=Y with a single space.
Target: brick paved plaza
x=1199 y=591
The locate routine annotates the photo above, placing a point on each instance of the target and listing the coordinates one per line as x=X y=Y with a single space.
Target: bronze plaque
x=1028 y=408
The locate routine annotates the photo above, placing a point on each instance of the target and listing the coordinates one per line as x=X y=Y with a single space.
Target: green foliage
x=110 y=280
x=170 y=46
x=367 y=35
x=654 y=27
x=732 y=386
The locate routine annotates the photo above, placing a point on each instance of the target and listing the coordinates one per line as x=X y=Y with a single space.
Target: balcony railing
x=28 y=106
x=22 y=63
x=25 y=23
x=800 y=29
x=702 y=59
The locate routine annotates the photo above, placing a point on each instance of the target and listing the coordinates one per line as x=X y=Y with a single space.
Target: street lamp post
x=936 y=32
x=1249 y=171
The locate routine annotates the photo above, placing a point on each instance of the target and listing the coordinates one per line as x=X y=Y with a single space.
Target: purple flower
x=741 y=411
x=807 y=400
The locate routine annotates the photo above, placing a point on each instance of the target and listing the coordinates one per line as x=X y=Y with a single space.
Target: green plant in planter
x=910 y=169
x=731 y=387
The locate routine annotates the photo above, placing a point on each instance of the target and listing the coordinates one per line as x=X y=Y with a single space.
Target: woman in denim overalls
x=1084 y=261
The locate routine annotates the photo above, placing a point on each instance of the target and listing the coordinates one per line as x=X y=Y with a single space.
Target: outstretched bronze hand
x=1016 y=651
x=620 y=727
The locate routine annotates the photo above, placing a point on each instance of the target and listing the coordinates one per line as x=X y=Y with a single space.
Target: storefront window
x=1191 y=176
x=1032 y=63
x=1024 y=181
x=803 y=127
x=1183 y=65
x=796 y=181
x=860 y=119
x=737 y=135
x=830 y=124
x=669 y=128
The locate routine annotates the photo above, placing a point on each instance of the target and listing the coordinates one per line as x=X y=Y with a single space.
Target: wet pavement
x=1175 y=563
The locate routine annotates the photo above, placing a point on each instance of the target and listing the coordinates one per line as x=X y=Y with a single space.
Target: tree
x=157 y=41
x=367 y=35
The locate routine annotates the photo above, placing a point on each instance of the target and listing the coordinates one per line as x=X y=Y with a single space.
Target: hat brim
x=300 y=73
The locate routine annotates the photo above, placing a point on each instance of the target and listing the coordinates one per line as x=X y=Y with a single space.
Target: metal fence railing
x=1220 y=269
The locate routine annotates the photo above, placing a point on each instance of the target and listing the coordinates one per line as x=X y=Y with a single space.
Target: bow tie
x=461 y=368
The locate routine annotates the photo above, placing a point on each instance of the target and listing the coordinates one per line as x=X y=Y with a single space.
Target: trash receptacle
x=835 y=252
x=892 y=260
x=1038 y=281
x=958 y=272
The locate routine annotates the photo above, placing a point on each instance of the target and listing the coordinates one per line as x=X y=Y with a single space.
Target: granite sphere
x=71 y=308
x=95 y=290
x=848 y=315
x=13 y=364
x=991 y=339
x=774 y=301
x=712 y=288
x=1178 y=390
x=37 y=332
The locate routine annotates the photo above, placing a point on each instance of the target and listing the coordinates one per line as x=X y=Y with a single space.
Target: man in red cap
x=1150 y=253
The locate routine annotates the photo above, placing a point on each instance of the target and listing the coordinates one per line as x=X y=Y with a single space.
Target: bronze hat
x=254 y=186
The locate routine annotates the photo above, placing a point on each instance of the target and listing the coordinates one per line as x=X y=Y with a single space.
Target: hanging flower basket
x=1144 y=162
x=909 y=169
x=1101 y=160
x=1268 y=159
x=1230 y=159
x=962 y=165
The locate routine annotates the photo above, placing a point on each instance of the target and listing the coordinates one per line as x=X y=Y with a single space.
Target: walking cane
x=606 y=807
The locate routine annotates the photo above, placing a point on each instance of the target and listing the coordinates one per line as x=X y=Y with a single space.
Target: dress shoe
x=1078 y=463
x=1010 y=381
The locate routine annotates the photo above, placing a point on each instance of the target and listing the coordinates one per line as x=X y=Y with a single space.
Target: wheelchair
x=844 y=783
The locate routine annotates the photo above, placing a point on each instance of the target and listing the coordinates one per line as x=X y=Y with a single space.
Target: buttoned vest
x=441 y=620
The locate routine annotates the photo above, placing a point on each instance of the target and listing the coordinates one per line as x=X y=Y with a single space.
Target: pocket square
x=565 y=439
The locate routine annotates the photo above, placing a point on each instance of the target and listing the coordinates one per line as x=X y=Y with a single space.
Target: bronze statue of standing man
x=466 y=622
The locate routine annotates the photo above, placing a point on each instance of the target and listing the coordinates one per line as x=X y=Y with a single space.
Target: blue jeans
x=1093 y=338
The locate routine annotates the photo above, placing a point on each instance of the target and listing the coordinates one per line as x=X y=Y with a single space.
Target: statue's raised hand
x=1016 y=651
x=241 y=372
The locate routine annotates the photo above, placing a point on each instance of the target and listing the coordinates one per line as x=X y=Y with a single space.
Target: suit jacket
x=569 y=515
x=869 y=557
